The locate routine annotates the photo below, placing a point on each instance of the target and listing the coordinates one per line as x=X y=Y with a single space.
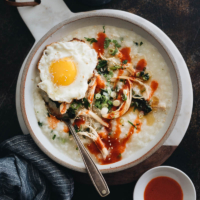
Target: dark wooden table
x=179 y=19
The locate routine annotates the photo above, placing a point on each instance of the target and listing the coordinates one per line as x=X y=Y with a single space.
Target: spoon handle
x=95 y=175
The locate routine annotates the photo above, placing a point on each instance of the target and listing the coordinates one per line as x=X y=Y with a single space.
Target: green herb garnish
x=106 y=42
x=104 y=29
x=145 y=77
x=138 y=44
x=76 y=148
x=124 y=97
x=125 y=61
x=86 y=103
x=117 y=45
x=40 y=124
x=71 y=112
x=132 y=124
x=54 y=136
x=114 y=52
x=141 y=105
x=91 y=40
x=120 y=155
x=115 y=67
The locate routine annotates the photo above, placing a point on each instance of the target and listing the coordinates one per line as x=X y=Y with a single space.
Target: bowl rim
x=166 y=167
x=117 y=16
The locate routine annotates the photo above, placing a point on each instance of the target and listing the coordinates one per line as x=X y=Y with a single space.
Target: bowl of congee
x=117 y=81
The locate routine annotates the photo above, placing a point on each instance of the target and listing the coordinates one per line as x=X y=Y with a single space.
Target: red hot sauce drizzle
x=154 y=86
x=99 y=45
x=164 y=188
x=125 y=54
x=112 y=141
x=141 y=65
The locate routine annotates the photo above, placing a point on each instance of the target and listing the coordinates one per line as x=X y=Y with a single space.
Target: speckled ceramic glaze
x=39 y=21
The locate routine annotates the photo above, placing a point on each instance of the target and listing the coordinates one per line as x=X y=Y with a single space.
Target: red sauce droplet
x=125 y=54
x=154 y=86
x=141 y=65
x=79 y=122
x=99 y=45
x=163 y=188
x=100 y=84
x=53 y=121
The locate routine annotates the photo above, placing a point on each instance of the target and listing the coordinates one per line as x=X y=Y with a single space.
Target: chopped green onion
x=106 y=43
x=117 y=45
x=104 y=29
x=125 y=61
x=98 y=96
x=104 y=105
x=124 y=97
x=120 y=155
x=40 y=124
x=111 y=51
x=138 y=74
x=132 y=124
x=142 y=73
x=54 y=136
x=91 y=40
x=121 y=121
x=115 y=67
x=143 y=90
x=76 y=148
x=115 y=51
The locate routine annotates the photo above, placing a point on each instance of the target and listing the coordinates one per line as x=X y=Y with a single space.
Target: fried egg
x=65 y=68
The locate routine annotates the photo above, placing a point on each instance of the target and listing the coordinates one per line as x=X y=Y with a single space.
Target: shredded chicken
x=161 y=106
x=94 y=116
x=63 y=107
x=97 y=140
x=147 y=88
x=124 y=106
x=130 y=69
x=111 y=59
x=91 y=89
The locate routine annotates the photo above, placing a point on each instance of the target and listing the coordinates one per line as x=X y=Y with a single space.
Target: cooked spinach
x=86 y=103
x=141 y=105
x=71 y=112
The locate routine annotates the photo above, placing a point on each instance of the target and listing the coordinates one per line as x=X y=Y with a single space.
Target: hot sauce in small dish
x=163 y=188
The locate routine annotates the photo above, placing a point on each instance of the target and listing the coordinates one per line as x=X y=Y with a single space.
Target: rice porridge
x=121 y=95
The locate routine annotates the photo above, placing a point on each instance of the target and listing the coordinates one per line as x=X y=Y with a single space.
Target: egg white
x=85 y=60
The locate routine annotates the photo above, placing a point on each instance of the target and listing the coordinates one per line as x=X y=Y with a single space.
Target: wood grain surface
x=179 y=19
x=133 y=173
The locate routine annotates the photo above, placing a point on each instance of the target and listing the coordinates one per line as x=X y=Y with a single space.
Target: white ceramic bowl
x=186 y=184
x=105 y=17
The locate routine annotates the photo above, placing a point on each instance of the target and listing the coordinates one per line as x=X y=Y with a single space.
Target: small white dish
x=189 y=192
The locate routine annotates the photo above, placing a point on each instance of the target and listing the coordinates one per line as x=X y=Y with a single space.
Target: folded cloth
x=26 y=173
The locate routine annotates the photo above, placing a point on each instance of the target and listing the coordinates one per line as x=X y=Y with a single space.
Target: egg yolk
x=63 y=71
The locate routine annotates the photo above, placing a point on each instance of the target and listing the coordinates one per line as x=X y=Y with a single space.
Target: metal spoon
x=95 y=175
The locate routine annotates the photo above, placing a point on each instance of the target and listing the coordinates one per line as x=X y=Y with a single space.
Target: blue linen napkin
x=26 y=173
